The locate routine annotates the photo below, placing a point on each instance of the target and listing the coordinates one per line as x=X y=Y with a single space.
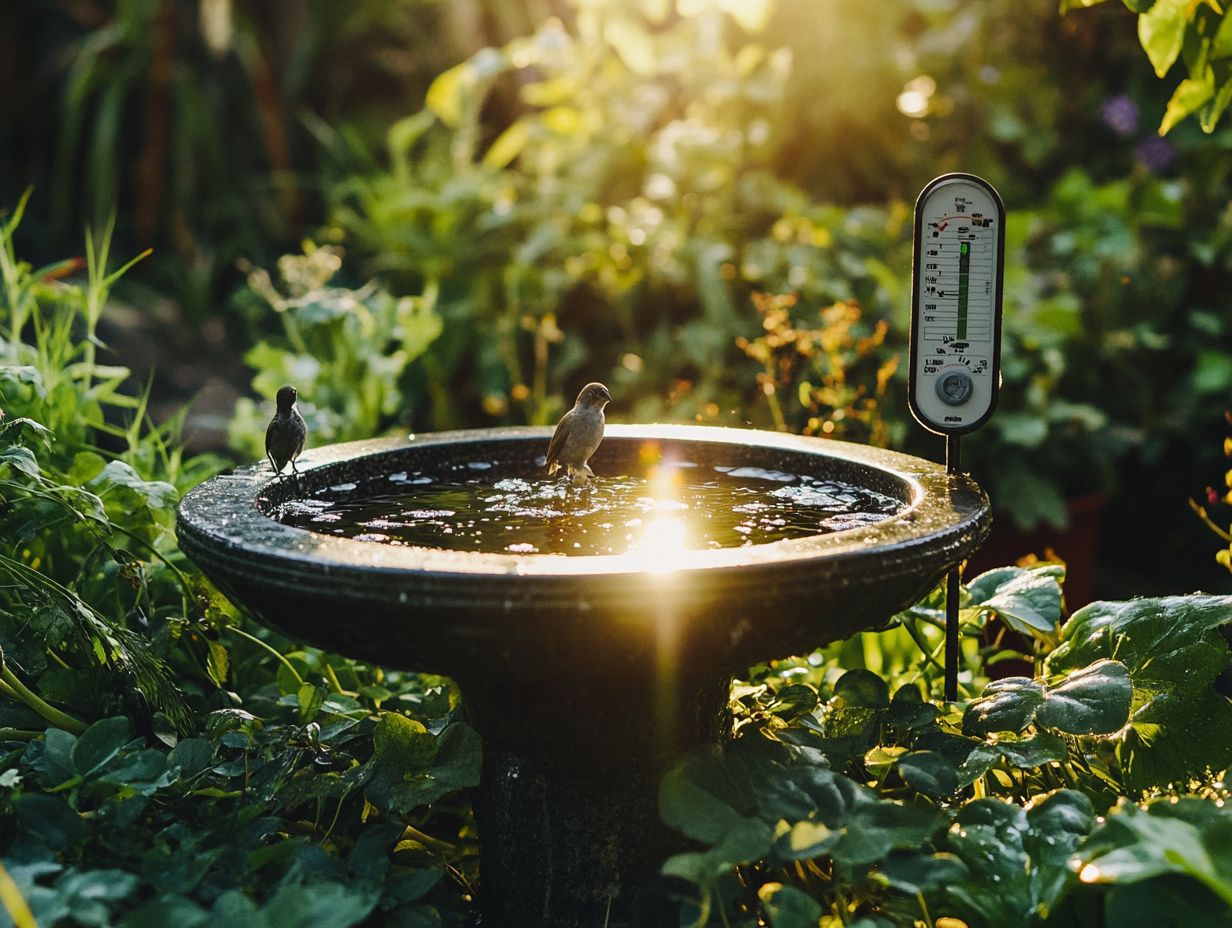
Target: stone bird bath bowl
x=586 y=676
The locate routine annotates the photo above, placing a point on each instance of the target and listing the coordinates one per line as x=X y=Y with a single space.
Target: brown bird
x=284 y=438
x=578 y=434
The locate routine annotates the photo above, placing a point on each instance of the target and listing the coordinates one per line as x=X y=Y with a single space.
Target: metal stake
x=953 y=455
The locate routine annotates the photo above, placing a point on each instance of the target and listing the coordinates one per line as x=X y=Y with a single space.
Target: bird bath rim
x=235 y=508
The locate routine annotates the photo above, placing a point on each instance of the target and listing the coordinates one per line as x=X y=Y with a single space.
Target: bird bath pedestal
x=587 y=677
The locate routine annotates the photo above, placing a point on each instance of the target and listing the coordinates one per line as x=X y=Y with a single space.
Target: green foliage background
x=707 y=205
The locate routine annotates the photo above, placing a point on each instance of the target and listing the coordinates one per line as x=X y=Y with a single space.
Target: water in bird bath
x=479 y=506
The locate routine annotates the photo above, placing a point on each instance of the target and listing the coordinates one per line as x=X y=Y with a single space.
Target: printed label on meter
x=956 y=303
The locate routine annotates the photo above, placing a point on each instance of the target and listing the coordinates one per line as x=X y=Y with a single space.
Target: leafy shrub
x=833 y=378
x=854 y=797
x=617 y=224
x=159 y=763
x=347 y=351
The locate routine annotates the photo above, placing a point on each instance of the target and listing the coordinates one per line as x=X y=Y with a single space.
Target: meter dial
x=956 y=303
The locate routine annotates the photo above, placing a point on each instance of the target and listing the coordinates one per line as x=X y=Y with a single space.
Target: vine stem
x=11 y=686
x=431 y=843
x=1201 y=511
x=18 y=734
x=14 y=902
x=274 y=651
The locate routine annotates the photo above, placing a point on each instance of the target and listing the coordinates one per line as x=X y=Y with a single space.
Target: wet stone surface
x=493 y=507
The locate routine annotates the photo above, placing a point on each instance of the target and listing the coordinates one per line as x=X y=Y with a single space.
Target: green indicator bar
x=964 y=270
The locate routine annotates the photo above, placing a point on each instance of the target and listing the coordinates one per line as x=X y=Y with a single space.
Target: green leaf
x=1212 y=112
x=1005 y=705
x=1174 y=651
x=1161 y=30
x=321 y=903
x=863 y=689
x=788 y=907
x=459 y=756
x=1139 y=6
x=58 y=756
x=707 y=795
x=176 y=910
x=155 y=494
x=908 y=710
x=508 y=145
x=22 y=459
x=1091 y=701
x=804 y=840
x=745 y=843
x=1056 y=826
x=409 y=887
x=987 y=838
x=191 y=756
x=446 y=93
x=410 y=767
x=1029 y=496
x=1190 y=96
x=85 y=467
x=793 y=701
x=875 y=827
x=217 y=661
x=929 y=773
x=1041 y=748
x=23 y=375
x=740 y=797
x=310 y=699
x=235 y=910
x=1022 y=429
x=1094 y=700
x=144 y=772
x=1137 y=844
x=1165 y=900
x=1026 y=599
x=912 y=872
x=50 y=820
x=100 y=743
x=88 y=892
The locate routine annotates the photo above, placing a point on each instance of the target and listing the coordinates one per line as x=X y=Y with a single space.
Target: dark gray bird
x=578 y=434
x=284 y=438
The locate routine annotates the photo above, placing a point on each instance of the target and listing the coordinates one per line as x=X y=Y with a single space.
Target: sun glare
x=916 y=98
x=662 y=543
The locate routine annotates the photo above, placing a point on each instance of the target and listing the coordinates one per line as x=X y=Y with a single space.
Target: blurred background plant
x=830 y=378
x=347 y=350
x=1218 y=498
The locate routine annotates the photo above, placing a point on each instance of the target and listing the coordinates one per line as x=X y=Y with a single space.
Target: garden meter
x=959 y=259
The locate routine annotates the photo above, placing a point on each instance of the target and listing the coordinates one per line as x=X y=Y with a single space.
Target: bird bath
x=587 y=676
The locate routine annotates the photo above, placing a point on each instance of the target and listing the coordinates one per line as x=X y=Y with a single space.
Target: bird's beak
x=607 y=396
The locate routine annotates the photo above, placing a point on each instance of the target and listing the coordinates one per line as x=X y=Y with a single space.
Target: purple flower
x=1154 y=154
x=1120 y=114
